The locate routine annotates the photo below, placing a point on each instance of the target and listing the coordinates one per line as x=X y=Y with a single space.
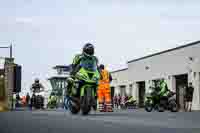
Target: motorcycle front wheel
x=148 y=106
x=85 y=107
x=87 y=101
x=160 y=107
x=73 y=105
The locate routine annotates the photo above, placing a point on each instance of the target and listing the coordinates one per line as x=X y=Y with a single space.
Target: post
x=11 y=50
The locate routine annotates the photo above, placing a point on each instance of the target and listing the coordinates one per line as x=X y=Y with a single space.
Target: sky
x=45 y=33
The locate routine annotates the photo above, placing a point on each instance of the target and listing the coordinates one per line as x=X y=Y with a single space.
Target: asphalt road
x=130 y=121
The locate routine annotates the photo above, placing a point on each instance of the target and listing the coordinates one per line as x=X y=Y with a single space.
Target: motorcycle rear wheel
x=173 y=106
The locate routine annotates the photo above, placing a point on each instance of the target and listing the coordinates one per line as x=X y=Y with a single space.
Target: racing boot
x=101 y=107
x=109 y=108
x=70 y=82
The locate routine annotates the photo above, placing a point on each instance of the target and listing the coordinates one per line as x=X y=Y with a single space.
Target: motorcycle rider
x=87 y=54
x=52 y=98
x=164 y=91
x=104 y=91
x=36 y=87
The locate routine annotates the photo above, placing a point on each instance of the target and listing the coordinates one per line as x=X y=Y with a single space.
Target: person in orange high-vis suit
x=23 y=100
x=104 y=92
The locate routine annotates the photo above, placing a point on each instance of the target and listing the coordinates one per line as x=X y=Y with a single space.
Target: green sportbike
x=158 y=102
x=52 y=102
x=83 y=95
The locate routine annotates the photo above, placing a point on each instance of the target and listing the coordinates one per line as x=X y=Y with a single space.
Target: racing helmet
x=88 y=49
x=101 y=66
x=37 y=80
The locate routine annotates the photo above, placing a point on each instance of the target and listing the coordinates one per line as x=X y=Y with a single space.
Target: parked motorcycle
x=129 y=103
x=132 y=104
x=87 y=81
x=156 y=102
x=169 y=102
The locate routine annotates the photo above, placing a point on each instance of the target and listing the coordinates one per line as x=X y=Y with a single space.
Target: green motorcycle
x=86 y=83
x=152 y=100
x=52 y=102
x=155 y=101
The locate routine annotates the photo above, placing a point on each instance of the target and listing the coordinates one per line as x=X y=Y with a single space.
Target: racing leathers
x=164 y=91
x=76 y=65
x=37 y=87
x=52 y=99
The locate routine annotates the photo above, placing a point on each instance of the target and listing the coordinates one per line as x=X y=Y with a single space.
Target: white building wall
x=172 y=63
x=167 y=65
x=171 y=83
x=136 y=91
x=196 y=94
x=120 y=78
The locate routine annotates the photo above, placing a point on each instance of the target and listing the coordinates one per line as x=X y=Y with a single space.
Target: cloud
x=24 y=20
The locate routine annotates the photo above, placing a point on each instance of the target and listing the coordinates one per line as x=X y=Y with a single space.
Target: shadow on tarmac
x=108 y=114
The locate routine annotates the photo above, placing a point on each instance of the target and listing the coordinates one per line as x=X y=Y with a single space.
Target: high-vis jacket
x=76 y=64
x=164 y=89
x=105 y=80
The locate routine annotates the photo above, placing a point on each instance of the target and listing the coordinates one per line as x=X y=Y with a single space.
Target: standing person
x=119 y=99
x=17 y=100
x=115 y=101
x=14 y=101
x=126 y=98
x=27 y=100
x=104 y=91
x=23 y=101
x=189 y=97
x=164 y=91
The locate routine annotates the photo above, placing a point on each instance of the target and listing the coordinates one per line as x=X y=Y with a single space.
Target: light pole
x=8 y=47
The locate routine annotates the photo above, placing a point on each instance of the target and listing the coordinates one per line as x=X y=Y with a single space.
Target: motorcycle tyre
x=86 y=102
x=161 y=108
x=173 y=106
x=148 y=107
x=85 y=107
x=74 y=109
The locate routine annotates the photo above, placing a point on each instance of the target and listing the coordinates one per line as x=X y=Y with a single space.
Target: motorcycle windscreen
x=88 y=64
